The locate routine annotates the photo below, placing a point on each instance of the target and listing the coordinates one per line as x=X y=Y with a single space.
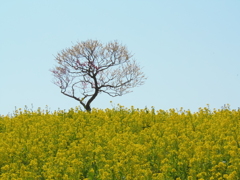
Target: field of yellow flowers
x=121 y=144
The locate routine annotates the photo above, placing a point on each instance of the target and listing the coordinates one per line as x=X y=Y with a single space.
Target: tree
x=90 y=68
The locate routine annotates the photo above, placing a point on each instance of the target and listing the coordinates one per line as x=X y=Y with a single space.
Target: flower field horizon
x=120 y=144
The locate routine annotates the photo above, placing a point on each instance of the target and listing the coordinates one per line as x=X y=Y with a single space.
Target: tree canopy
x=90 y=68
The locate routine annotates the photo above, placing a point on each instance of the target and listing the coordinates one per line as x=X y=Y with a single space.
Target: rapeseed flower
x=120 y=143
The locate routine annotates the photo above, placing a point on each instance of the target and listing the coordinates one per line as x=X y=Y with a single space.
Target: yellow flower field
x=121 y=144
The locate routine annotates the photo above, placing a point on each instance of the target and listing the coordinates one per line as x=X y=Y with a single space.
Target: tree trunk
x=88 y=108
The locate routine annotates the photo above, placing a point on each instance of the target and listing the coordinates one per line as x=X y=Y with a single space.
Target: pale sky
x=189 y=50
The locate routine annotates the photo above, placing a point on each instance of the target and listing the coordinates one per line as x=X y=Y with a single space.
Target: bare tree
x=90 y=68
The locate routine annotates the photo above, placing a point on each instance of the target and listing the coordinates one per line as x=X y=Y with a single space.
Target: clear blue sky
x=189 y=50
